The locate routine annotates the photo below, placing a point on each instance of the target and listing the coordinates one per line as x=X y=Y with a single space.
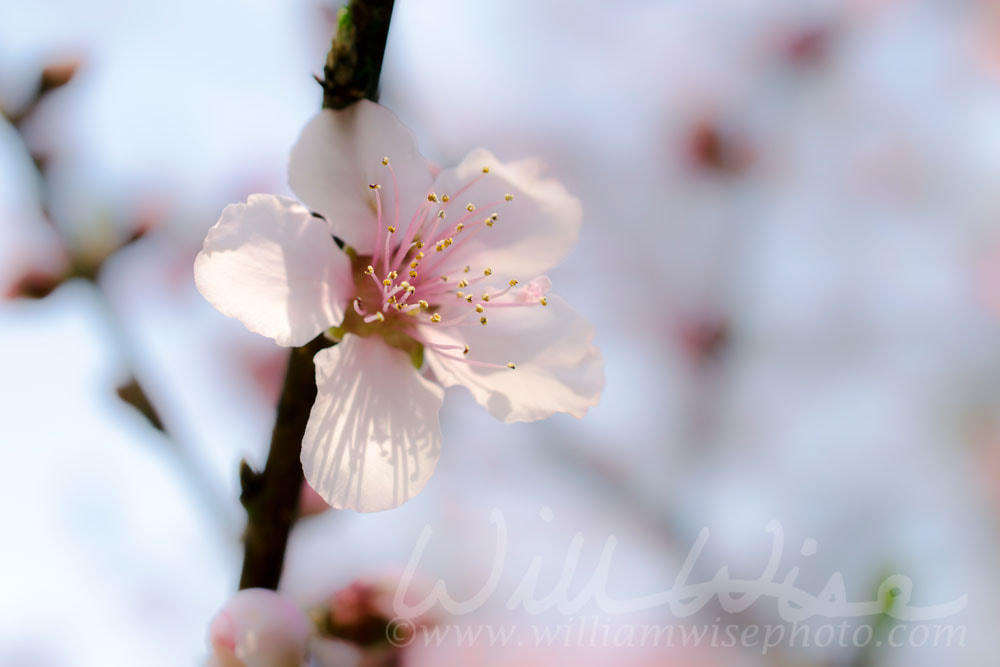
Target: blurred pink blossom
x=259 y=628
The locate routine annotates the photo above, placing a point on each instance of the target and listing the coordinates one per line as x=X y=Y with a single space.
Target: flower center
x=401 y=285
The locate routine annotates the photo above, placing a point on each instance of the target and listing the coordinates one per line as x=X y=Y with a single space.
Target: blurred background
x=790 y=251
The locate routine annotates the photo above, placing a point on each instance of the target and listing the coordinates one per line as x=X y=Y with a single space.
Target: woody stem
x=270 y=496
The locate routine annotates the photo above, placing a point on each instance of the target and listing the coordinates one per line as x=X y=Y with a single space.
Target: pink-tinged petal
x=340 y=154
x=373 y=436
x=534 y=231
x=273 y=266
x=259 y=628
x=332 y=652
x=558 y=369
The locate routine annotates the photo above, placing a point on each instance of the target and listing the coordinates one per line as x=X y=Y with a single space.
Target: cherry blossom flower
x=439 y=282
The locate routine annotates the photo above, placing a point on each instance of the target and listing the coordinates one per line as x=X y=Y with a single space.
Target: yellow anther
x=419 y=255
x=399 y=306
x=487 y=271
x=468 y=297
x=479 y=308
x=466 y=350
x=410 y=289
x=470 y=207
x=432 y=197
x=444 y=278
x=486 y=170
x=404 y=284
x=414 y=264
x=370 y=270
x=441 y=214
x=393 y=275
x=423 y=304
x=385 y=161
x=483 y=320
x=448 y=241
x=463 y=283
x=486 y=297
x=445 y=199
x=494 y=217
x=374 y=186
x=386 y=282
x=508 y=196
x=392 y=299
x=420 y=244
x=435 y=318
x=511 y=365
x=439 y=247
x=460 y=294
x=512 y=283
x=488 y=221
x=544 y=301
x=460 y=226
x=379 y=316
x=467 y=269
x=413 y=274
x=392 y=230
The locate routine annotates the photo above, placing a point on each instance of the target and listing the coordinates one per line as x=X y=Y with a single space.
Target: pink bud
x=259 y=628
x=365 y=611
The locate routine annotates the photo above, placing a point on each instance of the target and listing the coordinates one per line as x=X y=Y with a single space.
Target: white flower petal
x=340 y=154
x=373 y=436
x=558 y=369
x=273 y=266
x=534 y=231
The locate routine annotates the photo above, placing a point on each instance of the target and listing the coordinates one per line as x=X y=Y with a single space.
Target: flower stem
x=351 y=73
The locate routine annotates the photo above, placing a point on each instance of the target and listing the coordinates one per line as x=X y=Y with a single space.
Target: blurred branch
x=132 y=393
x=87 y=266
x=54 y=76
x=352 y=71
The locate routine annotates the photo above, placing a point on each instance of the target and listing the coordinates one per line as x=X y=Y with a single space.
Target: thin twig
x=87 y=267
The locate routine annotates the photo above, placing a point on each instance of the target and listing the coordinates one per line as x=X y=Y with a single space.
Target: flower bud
x=259 y=628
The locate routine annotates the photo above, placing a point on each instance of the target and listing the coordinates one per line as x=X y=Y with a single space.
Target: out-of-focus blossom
x=702 y=338
x=329 y=652
x=259 y=628
x=429 y=279
x=514 y=654
x=808 y=46
x=710 y=146
x=361 y=625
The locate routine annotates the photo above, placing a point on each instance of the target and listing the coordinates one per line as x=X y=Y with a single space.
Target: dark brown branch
x=354 y=63
x=271 y=497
